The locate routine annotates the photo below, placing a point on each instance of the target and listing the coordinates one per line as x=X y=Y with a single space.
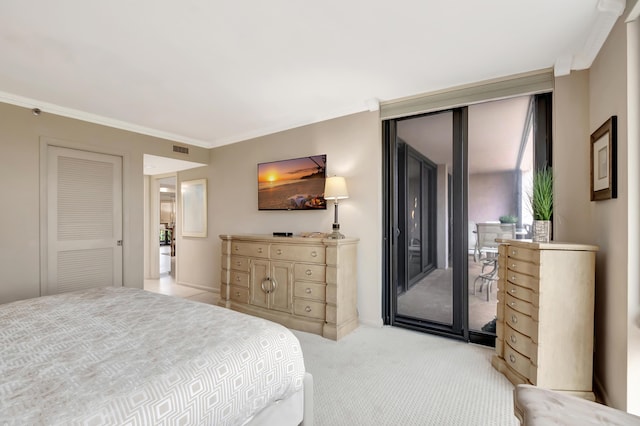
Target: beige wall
x=353 y=147
x=20 y=138
x=633 y=169
x=583 y=101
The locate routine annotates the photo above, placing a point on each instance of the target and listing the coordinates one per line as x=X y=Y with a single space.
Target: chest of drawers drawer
x=240 y=263
x=528 y=255
x=517 y=361
x=313 y=254
x=240 y=295
x=515 y=265
x=520 y=322
x=521 y=343
x=522 y=280
x=519 y=305
x=242 y=248
x=240 y=279
x=518 y=292
x=310 y=272
x=314 y=291
x=308 y=308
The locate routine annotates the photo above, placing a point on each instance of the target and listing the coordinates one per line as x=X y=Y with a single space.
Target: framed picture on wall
x=194 y=208
x=604 y=161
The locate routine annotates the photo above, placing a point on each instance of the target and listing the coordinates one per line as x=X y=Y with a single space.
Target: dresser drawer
x=240 y=279
x=527 y=255
x=521 y=343
x=310 y=291
x=300 y=253
x=519 y=305
x=240 y=248
x=240 y=295
x=523 y=280
x=520 y=322
x=516 y=361
x=240 y=263
x=309 y=272
x=519 y=292
x=307 y=308
x=514 y=265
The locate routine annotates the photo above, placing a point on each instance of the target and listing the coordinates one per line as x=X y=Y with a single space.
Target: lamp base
x=335 y=235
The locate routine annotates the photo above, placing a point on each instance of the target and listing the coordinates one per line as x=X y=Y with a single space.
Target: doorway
x=450 y=175
x=167 y=229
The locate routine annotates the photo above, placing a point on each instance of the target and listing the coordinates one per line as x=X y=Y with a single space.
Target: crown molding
x=46 y=107
x=608 y=13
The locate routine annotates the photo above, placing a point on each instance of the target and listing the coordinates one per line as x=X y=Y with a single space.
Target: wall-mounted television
x=294 y=184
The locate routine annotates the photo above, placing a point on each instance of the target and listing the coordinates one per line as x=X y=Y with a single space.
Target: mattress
x=127 y=356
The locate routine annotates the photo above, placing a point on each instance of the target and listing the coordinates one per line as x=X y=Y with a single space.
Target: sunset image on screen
x=295 y=184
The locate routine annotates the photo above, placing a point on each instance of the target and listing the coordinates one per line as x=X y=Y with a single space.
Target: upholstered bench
x=535 y=406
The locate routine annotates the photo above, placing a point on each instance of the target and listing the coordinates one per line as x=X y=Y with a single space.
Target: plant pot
x=541 y=231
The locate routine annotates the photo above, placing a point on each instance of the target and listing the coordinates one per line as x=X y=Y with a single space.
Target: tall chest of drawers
x=308 y=284
x=544 y=321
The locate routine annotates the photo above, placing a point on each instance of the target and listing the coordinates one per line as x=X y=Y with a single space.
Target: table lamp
x=335 y=188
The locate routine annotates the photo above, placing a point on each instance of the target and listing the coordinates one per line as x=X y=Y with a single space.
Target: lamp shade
x=335 y=188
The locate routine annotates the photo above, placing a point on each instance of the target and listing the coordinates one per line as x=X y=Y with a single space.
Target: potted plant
x=508 y=218
x=542 y=204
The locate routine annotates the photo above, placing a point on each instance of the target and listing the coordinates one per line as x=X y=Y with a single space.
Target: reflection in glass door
x=499 y=180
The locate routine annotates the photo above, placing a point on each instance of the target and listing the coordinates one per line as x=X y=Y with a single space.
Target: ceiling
x=495 y=135
x=211 y=73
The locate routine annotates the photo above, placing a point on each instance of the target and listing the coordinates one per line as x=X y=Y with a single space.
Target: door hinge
x=119 y=243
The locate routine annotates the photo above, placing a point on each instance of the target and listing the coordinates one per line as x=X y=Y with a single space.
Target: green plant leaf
x=542 y=194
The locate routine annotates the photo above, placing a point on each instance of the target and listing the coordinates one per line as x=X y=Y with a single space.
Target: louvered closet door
x=84 y=218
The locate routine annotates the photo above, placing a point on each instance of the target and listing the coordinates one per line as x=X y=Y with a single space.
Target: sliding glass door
x=452 y=178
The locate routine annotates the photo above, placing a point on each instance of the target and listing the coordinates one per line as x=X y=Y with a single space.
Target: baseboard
x=374 y=323
x=199 y=287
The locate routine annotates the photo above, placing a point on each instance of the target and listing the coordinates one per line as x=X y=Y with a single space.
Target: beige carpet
x=392 y=376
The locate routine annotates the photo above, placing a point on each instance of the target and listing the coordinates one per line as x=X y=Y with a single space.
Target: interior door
x=84 y=220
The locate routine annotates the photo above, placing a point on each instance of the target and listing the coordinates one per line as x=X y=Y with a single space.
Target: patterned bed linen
x=128 y=356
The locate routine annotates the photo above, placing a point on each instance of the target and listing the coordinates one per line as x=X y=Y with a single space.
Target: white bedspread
x=127 y=356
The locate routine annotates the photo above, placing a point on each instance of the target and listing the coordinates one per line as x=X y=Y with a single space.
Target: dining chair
x=487 y=251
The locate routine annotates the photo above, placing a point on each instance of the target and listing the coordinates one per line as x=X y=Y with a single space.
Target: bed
x=127 y=356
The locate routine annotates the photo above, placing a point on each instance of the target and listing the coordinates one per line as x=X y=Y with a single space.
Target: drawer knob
x=513 y=339
x=514 y=319
x=513 y=265
x=512 y=291
x=307 y=309
x=512 y=359
x=237 y=293
x=514 y=252
x=513 y=278
x=259 y=249
x=307 y=290
x=236 y=248
x=278 y=251
x=308 y=272
x=314 y=254
x=238 y=278
x=238 y=263
x=512 y=304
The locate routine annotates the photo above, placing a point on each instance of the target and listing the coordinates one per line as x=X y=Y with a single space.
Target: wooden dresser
x=307 y=284
x=545 y=310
